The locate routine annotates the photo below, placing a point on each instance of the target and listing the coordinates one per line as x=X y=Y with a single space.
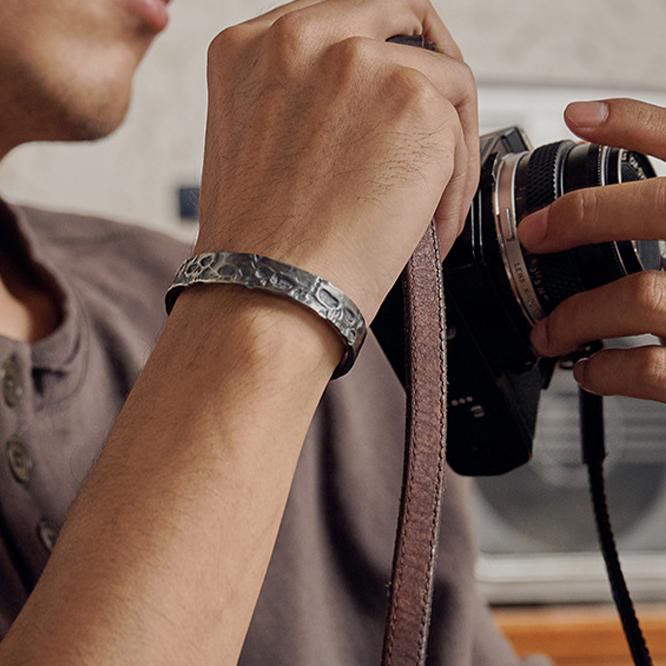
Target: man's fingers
x=455 y=81
x=636 y=373
x=630 y=211
x=451 y=211
x=633 y=305
x=268 y=18
x=335 y=20
x=452 y=78
x=624 y=123
x=436 y=31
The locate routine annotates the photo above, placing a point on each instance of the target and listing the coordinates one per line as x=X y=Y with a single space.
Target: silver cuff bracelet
x=257 y=272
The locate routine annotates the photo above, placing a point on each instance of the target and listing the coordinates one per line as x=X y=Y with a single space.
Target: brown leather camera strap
x=410 y=601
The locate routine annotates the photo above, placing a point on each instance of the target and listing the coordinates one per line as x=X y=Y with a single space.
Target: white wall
x=133 y=175
x=589 y=42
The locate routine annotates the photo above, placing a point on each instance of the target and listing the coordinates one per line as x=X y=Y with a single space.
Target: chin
x=73 y=98
x=93 y=115
x=88 y=101
x=67 y=68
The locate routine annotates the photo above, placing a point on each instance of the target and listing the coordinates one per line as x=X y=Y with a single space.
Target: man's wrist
x=264 y=328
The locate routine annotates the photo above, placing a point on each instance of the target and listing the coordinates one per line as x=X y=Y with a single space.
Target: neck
x=28 y=310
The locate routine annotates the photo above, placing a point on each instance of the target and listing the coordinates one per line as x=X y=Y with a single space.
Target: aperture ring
x=506 y=224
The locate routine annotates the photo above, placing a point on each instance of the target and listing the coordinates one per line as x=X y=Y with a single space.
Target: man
x=310 y=158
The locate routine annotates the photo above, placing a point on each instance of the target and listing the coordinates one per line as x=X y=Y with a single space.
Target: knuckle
x=651 y=119
x=452 y=128
x=658 y=186
x=415 y=90
x=645 y=114
x=349 y=64
x=227 y=39
x=353 y=52
x=450 y=113
x=468 y=78
x=651 y=367
x=351 y=60
x=290 y=30
x=287 y=42
x=648 y=291
x=448 y=121
x=586 y=205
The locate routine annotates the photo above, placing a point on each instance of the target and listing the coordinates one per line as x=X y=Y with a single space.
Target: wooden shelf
x=581 y=635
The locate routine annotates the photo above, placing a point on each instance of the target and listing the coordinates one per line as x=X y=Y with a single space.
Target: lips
x=153 y=13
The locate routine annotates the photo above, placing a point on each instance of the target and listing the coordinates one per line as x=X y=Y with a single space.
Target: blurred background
x=530 y=57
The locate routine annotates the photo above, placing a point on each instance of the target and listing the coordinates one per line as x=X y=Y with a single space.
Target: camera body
x=496 y=291
x=494 y=378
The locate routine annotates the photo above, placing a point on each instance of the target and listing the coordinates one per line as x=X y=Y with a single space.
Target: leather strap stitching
x=422 y=275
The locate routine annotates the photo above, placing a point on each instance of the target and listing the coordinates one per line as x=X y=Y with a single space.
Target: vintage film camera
x=496 y=291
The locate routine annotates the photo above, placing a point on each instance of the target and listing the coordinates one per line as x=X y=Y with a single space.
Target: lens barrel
x=547 y=173
x=496 y=291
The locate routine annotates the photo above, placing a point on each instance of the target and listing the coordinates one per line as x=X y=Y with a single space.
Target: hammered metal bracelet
x=257 y=272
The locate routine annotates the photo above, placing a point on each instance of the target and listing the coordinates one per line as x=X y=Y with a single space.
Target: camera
x=496 y=291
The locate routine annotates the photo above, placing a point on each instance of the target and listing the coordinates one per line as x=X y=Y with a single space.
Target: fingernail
x=539 y=338
x=579 y=371
x=587 y=115
x=532 y=230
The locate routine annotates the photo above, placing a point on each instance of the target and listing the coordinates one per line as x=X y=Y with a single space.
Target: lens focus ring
x=543 y=174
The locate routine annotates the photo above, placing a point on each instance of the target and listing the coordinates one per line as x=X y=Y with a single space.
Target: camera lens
x=526 y=182
x=496 y=291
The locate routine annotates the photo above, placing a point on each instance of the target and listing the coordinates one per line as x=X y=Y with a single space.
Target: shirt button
x=47 y=535
x=19 y=461
x=12 y=388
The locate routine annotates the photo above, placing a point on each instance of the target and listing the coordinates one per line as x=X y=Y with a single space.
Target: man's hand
x=329 y=148
x=633 y=305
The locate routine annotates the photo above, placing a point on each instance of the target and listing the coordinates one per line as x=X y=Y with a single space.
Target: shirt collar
x=62 y=351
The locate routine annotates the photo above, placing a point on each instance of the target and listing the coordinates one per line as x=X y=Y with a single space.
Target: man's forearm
x=164 y=551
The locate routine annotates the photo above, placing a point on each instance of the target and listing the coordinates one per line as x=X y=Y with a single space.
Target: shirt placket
x=32 y=535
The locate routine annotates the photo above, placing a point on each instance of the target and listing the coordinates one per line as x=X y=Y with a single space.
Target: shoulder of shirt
x=112 y=266
x=61 y=228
